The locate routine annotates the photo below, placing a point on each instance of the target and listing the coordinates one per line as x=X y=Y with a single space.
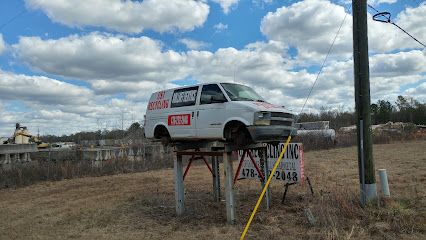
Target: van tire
x=241 y=137
x=165 y=140
x=162 y=134
x=236 y=133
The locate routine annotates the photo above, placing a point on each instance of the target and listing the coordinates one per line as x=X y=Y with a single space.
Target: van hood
x=263 y=106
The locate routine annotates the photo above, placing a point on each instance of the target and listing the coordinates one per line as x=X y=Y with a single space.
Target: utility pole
x=362 y=102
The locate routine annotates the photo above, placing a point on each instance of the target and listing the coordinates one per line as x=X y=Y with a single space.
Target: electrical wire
x=323 y=64
x=372 y=7
x=12 y=19
x=388 y=20
x=289 y=137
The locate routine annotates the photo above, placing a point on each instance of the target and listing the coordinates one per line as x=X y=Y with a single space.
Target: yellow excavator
x=22 y=136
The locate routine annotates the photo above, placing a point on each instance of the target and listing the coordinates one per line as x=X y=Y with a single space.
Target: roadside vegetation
x=141 y=205
x=404 y=109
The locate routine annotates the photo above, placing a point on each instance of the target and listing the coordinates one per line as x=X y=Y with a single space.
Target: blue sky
x=81 y=67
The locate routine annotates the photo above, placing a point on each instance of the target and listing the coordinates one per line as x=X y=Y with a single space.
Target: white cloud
x=220 y=27
x=57 y=107
x=261 y=3
x=135 y=91
x=226 y=4
x=139 y=66
x=193 y=44
x=260 y=65
x=2 y=44
x=126 y=16
x=376 y=2
x=310 y=26
x=398 y=64
x=419 y=92
x=103 y=57
x=41 y=89
x=52 y=120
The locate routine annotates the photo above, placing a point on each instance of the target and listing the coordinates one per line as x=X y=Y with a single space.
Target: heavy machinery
x=22 y=136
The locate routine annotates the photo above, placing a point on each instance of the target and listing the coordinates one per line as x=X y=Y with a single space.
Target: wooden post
x=229 y=187
x=216 y=178
x=179 y=188
x=265 y=170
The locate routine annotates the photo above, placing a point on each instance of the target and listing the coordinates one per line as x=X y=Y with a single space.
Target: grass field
x=141 y=205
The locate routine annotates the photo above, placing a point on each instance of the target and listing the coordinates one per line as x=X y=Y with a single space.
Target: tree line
x=135 y=130
x=404 y=109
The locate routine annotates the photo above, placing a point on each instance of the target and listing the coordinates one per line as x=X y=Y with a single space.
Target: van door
x=181 y=118
x=211 y=112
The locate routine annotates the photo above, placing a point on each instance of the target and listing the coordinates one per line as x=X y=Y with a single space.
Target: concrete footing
x=370 y=193
x=13 y=154
x=19 y=153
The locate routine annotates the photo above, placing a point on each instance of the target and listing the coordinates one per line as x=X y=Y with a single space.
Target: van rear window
x=184 y=97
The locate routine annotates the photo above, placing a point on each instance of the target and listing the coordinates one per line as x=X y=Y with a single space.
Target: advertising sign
x=290 y=169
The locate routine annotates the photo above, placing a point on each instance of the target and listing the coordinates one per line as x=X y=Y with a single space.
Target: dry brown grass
x=141 y=205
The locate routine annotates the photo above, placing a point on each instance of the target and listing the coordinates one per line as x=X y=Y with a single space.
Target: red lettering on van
x=179 y=120
x=160 y=104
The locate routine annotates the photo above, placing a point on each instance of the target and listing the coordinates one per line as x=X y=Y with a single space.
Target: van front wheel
x=241 y=137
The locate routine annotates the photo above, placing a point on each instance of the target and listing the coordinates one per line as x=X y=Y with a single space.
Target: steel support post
x=229 y=187
x=216 y=178
x=179 y=188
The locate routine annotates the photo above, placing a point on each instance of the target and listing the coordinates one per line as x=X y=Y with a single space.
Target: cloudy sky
x=68 y=66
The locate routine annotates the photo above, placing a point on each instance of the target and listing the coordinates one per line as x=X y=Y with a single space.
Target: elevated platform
x=215 y=150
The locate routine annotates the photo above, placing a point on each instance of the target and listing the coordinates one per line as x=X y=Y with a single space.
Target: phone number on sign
x=278 y=175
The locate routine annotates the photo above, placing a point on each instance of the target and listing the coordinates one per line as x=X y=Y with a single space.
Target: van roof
x=198 y=84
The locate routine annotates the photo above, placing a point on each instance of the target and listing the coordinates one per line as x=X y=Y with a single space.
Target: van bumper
x=271 y=133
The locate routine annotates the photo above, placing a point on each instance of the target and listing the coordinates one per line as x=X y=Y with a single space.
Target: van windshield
x=237 y=92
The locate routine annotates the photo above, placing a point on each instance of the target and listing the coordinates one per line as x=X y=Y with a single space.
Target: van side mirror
x=218 y=99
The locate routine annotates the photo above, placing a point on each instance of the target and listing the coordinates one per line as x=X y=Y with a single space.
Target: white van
x=216 y=111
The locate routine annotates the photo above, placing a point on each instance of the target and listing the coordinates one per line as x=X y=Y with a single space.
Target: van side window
x=184 y=97
x=211 y=93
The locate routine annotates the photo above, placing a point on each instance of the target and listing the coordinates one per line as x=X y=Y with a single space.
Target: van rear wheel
x=165 y=140
x=163 y=135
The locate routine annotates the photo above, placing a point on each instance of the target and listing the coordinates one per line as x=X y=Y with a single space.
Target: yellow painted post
x=264 y=188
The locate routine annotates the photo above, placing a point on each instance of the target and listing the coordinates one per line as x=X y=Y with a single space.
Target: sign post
x=265 y=170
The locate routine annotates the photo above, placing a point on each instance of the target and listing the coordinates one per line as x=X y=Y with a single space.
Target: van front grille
x=282 y=123
x=281 y=114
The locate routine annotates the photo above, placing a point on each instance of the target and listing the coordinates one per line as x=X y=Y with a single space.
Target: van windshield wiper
x=244 y=99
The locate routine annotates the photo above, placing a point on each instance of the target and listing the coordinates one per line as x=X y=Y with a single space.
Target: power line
x=323 y=63
x=289 y=137
x=12 y=19
x=387 y=19
x=372 y=7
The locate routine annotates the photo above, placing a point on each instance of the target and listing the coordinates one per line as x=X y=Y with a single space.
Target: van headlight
x=262 y=118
